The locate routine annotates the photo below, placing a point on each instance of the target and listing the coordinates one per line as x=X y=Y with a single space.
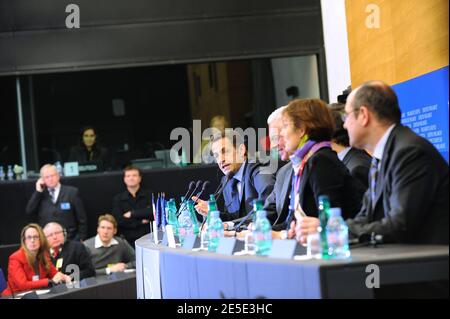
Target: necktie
x=373 y=179
x=51 y=191
x=235 y=200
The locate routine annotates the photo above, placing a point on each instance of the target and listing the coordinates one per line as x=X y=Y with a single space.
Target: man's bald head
x=379 y=98
x=50 y=175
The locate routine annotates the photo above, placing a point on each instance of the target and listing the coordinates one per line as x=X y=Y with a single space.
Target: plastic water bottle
x=212 y=207
x=212 y=204
x=324 y=214
x=215 y=231
x=193 y=217
x=262 y=233
x=2 y=174
x=187 y=226
x=337 y=235
x=184 y=224
x=258 y=205
x=59 y=168
x=172 y=215
x=10 y=173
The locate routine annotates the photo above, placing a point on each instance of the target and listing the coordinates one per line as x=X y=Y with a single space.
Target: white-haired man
x=53 y=202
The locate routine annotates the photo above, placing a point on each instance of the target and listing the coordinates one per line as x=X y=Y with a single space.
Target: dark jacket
x=325 y=174
x=256 y=184
x=74 y=252
x=277 y=203
x=68 y=211
x=358 y=163
x=140 y=207
x=98 y=155
x=412 y=204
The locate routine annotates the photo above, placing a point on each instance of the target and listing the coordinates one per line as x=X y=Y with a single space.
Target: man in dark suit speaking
x=407 y=200
x=53 y=202
x=244 y=180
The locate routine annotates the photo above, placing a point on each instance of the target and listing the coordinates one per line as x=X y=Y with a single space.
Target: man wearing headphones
x=66 y=252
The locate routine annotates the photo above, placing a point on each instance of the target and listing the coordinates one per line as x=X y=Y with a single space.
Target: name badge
x=65 y=206
x=59 y=263
x=35 y=278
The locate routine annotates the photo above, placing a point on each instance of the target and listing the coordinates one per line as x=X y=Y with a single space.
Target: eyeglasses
x=31 y=238
x=345 y=115
x=55 y=233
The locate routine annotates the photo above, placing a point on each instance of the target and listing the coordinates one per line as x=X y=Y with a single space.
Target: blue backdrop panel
x=424 y=104
x=280 y=280
x=178 y=275
x=222 y=277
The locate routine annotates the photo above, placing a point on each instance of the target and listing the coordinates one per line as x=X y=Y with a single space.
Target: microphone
x=199 y=182
x=197 y=185
x=182 y=204
x=220 y=192
x=205 y=185
x=191 y=185
x=237 y=228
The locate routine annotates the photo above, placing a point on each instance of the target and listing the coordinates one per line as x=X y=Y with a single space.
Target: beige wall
x=412 y=39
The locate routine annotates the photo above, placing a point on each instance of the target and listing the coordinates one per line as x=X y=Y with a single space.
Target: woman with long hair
x=89 y=150
x=30 y=266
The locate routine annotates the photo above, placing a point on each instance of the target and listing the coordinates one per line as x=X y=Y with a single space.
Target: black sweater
x=74 y=252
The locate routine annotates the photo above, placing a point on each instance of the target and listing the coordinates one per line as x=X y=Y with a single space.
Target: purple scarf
x=299 y=154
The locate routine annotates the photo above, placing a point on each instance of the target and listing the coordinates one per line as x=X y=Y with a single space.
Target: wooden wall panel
x=412 y=39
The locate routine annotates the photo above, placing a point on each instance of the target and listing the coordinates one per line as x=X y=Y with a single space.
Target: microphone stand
x=182 y=204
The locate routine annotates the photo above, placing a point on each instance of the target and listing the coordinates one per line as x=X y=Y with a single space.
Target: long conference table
x=101 y=287
x=168 y=273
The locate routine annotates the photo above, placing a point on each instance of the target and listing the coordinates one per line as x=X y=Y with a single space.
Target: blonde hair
x=108 y=217
x=41 y=255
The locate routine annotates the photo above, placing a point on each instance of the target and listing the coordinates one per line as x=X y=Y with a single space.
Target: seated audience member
x=66 y=252
x=407 y=200
x=53 y=202
x=307 y=130
x=132 y=208
x=357 y=161
x=108 y=252
x=248 y=181
x=30 y=266
x=89 y=150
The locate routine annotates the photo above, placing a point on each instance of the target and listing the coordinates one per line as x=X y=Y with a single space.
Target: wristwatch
x=283 y=234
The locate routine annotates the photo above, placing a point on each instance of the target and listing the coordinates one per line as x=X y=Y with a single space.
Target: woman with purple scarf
x=307 y=131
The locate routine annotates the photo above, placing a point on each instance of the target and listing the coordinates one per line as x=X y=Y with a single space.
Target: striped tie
x=373 y=179
x=51 y=191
